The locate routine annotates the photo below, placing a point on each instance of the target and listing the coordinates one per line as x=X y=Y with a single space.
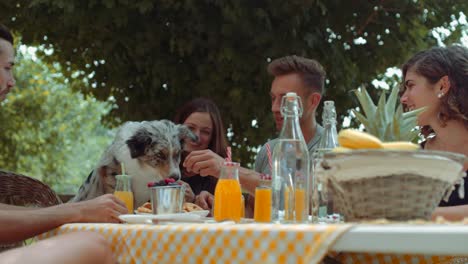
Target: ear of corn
x=354 y=139
x=400 y=145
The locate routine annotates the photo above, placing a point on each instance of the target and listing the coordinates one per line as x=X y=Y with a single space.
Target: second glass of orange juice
x=298 y=201
x=262 y=209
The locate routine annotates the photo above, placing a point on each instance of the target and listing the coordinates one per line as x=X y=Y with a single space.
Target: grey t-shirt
x=261 y=162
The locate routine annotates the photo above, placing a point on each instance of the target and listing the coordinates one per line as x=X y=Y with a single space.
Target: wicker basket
x=396 y=185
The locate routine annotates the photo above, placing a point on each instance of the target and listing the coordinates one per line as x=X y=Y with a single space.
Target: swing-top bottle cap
x=329 y=103
x=288 y=105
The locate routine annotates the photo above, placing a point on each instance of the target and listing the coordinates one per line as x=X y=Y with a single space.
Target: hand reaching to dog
x=105 y=208
x=189 y=195
x=205 y=200
x=204 y=162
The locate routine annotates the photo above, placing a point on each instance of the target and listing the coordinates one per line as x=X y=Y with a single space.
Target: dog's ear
x=108 y=180
x=185 y=133
x=139 y=142
x=107 y=175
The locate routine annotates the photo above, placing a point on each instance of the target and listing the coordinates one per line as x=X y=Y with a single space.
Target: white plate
x=201 y=213
x=148 y=218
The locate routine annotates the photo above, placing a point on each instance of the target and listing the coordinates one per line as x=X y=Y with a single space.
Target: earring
x=440 y=94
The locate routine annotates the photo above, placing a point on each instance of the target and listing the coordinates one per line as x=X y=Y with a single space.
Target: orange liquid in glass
x=299 y=205
x=262 y=212
x=299 y=201
x=227 y=204
x=127 y=198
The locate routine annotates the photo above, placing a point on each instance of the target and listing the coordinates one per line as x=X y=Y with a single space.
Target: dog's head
x=159 y=145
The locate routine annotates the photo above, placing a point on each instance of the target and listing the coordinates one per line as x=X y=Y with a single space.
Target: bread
x=190 y=207
x=145 y=208
x=187 y=207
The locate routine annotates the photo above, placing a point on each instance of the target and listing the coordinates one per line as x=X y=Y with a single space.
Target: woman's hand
x=205 y=200
x=204 y=162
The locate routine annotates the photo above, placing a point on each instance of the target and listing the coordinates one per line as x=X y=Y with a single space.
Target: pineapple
x=386 y=121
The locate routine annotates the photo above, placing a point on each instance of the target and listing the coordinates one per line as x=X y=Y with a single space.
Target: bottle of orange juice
x=123 y=191
x=228 y=201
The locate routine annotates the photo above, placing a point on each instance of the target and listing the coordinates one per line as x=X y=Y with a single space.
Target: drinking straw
x=228 y=154
x=270 y=163
x=123 y=168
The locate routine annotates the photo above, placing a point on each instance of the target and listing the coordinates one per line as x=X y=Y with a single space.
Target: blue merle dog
x=150 y=151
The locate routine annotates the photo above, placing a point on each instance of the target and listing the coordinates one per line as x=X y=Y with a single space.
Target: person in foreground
x=303 y=76
x=202 y=116
x=19 y=223
x=438 y=79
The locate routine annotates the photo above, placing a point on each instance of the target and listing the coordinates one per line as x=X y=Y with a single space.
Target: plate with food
x=144 y=209
x=187 y=208
x=161 y=218
x=195 y=209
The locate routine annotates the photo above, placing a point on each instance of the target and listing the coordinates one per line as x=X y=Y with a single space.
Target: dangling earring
x=440 y=94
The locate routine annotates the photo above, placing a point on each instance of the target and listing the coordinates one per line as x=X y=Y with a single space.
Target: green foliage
x=152 y=56
x=48 y=131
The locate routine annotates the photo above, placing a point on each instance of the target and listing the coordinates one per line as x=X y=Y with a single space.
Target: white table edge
x=405 y=239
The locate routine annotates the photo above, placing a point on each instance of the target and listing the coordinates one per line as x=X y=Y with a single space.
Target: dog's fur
x=150 y=151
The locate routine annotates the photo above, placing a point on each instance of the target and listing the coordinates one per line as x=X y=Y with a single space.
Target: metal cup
x=167 y=199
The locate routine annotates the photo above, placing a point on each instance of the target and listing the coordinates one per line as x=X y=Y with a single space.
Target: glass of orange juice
x=298 y=200
x=262 y=209
x=123 y=191
x=227 y=200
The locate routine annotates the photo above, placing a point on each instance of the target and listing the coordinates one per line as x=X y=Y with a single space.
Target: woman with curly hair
x=438 y=79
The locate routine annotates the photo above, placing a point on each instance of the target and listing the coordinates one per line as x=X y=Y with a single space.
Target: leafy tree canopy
x=48 y=131
x=152 y=56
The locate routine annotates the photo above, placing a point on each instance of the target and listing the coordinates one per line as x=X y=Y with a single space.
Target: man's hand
x=189 y=195
x=205 y=200
x=26 y=224
x=204 y=162
x=105 y=208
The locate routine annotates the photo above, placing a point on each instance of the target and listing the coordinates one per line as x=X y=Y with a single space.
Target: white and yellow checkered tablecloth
x=233 y=243
x=214 y=243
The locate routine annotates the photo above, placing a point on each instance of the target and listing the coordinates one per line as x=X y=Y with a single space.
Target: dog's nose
x=175 y=176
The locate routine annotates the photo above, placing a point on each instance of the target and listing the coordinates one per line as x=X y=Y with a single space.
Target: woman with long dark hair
x=202 y=116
